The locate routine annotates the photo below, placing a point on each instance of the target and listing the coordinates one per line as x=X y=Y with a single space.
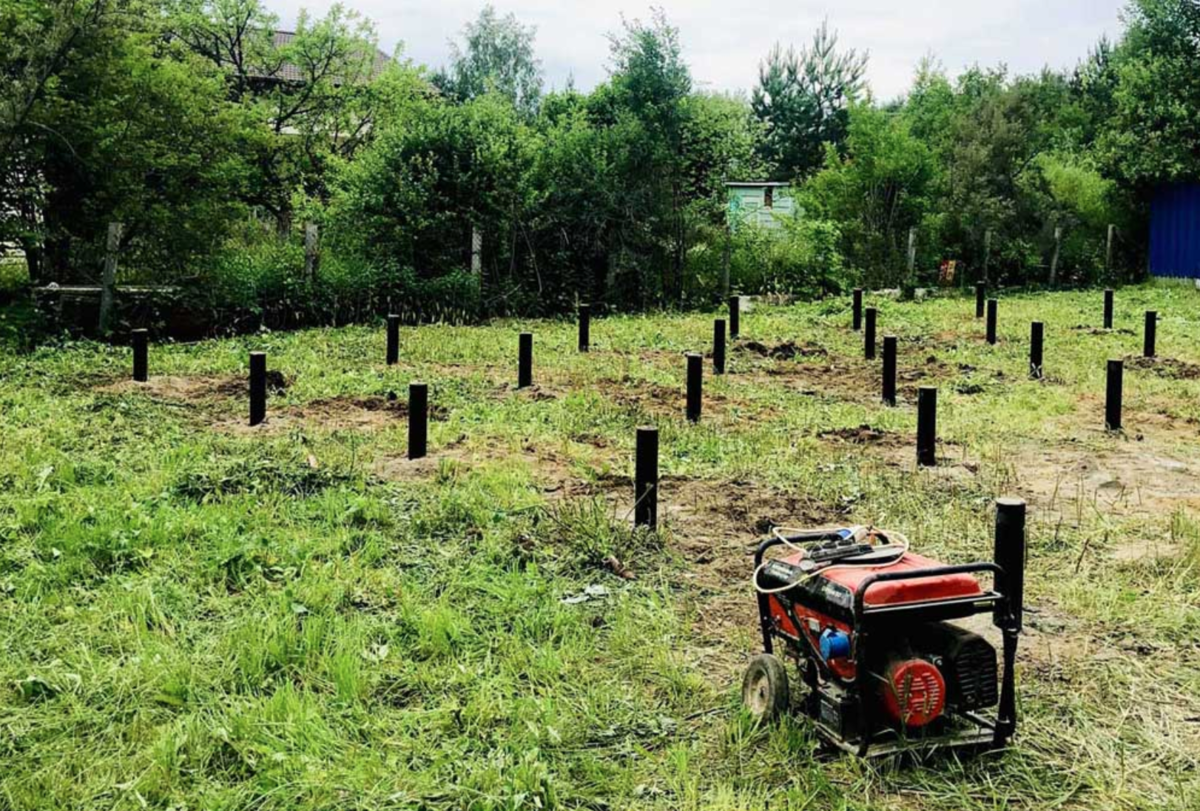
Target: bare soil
x=332 y=413
x=1164 y=367
x=204 y=388
x=866 y=435
x=1126 y=478
x=788 y=350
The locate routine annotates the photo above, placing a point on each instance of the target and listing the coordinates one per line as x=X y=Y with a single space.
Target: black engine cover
x=967 y=662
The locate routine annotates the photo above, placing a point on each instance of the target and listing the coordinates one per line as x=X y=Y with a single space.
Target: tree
x=41 y=41
x=803 y=101
x=650 y=84
x=310 y=95
x=883 y=186
x=1156 y=123
x=497 y=56
x=131 y=128
x=411 y=198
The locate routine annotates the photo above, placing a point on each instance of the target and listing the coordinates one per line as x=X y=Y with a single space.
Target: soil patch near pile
x=784 y=351
x=333 y=413
x=864 y=435
x=197 y=388
x=1165 y=367
x=1127 y=478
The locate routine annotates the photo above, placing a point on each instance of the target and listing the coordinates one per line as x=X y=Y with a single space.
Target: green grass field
x=199 y=615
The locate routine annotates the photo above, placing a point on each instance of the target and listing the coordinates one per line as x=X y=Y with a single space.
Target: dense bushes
x=129 y=110
x=799 y=258
x=261 y=282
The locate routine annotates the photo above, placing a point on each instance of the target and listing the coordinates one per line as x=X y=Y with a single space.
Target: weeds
x=197 y=617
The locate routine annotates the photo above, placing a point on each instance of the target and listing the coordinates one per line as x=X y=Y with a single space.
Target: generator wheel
x=765 y=688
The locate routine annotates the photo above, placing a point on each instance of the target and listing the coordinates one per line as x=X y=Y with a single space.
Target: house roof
x=756 y=185
x=289 y=72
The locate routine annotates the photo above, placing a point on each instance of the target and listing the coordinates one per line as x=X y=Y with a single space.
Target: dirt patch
x=537 y=393
x=851 y=380
x=197 y=388
x=1141 y=550
x=864 y=435
x=1089 y=330
x=648 y=398
x=843 y=380
x=1165 y=367
x=788 y=350
x=1126 y=478
x=638 y=397
x=334 y=413
x=714 y=525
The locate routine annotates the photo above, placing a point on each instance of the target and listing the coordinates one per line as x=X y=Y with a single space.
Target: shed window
x=768 y=197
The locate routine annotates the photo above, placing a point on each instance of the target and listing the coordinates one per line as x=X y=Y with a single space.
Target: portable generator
x=870 y=626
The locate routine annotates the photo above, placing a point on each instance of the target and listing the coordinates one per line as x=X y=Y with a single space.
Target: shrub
x=259 y=280
x=800 y=258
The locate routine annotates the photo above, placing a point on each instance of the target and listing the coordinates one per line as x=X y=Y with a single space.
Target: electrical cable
x=858 y=534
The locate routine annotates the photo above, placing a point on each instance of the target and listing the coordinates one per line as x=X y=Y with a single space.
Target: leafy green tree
x=41 y=42
x=496 y=56
x=932 y=108
x=40 y=38
x=131 y=128
x=412 y=198
x=311 y=95
x=883 y=186
x=1156 y=123
x=720 y=144
x=803 y=100
x=648 y=90
x=576 y=209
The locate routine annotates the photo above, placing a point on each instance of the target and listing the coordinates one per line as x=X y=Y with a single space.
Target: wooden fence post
x=1054 y=259
x=1108 y=249
x=987 y=253
x=476 y=252
x=312 y=251
x=725 y=260
x=108 y=281
x=912 y=251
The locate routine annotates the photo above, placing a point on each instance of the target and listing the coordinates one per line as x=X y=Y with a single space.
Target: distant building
x=762 y=204
x=1175 y=231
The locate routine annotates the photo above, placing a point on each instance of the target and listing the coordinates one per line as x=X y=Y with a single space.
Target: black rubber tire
x=765 y=688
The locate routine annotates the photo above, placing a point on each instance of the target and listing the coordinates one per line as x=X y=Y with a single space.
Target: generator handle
x=764 y=609
x=860 y=595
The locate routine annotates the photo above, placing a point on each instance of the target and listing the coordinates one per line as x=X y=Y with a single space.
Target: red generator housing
x=874 y=641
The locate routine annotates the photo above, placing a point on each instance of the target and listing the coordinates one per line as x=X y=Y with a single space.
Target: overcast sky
x=724 y=41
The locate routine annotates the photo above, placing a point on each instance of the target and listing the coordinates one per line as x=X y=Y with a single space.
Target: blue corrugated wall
x=1175 y=231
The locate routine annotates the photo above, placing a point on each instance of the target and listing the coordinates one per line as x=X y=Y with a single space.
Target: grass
x=194 y=614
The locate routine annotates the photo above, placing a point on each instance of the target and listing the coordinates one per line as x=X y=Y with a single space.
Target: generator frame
x=1003 y=601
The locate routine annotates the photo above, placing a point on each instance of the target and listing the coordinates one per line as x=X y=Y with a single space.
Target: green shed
x=762 y=204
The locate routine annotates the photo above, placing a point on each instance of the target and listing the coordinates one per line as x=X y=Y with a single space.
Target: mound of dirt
x=537 y=393
x=1089 y=330
x=336 y=413
x=650 y=398
x=277 y=383
x=198 y=388
x=788 y=350
x=1165 y=367
x=862 y=435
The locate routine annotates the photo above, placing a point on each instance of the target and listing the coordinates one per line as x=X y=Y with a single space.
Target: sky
x=723 y=42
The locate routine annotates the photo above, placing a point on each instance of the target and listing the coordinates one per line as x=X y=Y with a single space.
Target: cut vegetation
x=297 y=617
